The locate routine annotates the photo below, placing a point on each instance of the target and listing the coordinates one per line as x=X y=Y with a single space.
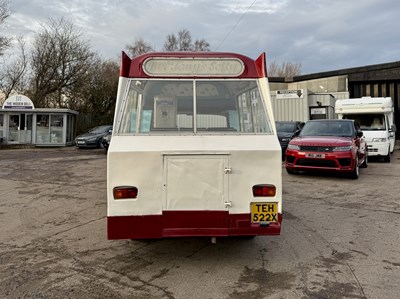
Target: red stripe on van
x=187 y=224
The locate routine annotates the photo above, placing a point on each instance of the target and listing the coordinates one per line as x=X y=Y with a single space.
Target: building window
x=42 y=128
x=56 y=128
x=70 y=128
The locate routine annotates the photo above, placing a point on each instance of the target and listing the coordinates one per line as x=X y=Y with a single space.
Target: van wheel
x=356 y=171
x=387 y=158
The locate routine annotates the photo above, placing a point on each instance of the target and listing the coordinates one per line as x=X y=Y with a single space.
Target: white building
x=22 y=123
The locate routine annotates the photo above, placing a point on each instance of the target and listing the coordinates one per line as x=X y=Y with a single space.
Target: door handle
x=228 y=170
x=228 y=204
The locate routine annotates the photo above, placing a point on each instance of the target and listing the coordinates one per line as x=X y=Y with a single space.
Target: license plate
x=264 y=212
x=81 y=142
x=320 y=156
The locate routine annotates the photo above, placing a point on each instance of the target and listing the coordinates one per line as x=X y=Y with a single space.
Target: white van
x=194 y=150
x=376 y=119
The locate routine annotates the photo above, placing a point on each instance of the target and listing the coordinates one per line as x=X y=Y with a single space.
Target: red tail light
x=264 y=190
x=125 y=192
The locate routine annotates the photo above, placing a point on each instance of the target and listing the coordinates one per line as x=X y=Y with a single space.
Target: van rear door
x=195 y=191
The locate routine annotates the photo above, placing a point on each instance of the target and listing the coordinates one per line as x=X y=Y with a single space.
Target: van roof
x=192 y=64
x=364 y=105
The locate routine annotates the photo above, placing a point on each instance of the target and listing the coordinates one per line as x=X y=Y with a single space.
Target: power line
x=237 y=23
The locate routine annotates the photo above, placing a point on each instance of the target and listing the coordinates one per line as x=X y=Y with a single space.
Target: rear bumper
x=187 y=224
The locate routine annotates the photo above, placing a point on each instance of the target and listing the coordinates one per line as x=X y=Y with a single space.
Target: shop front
x=22 y=123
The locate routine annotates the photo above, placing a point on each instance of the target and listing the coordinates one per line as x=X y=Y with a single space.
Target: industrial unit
x=313 y=96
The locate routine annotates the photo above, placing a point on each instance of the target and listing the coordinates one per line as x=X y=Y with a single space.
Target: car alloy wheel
x=356 y=171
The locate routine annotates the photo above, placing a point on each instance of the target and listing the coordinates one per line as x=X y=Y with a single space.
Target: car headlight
x=342 y=148
x=92 y=139
x=379 y=139
x=293 y=147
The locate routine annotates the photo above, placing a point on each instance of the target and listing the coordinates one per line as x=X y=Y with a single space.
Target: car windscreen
x=285 y=127
x=368 y=122
x=327 y=128
x=97 y=130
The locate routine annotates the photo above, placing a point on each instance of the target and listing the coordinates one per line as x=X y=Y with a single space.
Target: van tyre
x=387 y=157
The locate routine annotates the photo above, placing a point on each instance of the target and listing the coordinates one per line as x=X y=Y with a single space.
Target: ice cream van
x=194 y=150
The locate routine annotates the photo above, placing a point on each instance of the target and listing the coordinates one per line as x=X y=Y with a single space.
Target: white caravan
x=376 y=119
x=194 y=150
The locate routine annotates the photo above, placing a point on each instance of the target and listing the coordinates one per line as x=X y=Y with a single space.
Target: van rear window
x=194 y=106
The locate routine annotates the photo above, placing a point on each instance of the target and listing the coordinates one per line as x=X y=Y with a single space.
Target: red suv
x=328 y=145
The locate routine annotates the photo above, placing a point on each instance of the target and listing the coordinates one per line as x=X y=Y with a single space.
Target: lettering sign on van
x=202 y=67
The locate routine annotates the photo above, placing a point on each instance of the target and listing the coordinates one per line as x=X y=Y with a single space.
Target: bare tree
x=102 y=88
x=4 y=14
x=183 y=42
x=139 y=47
x=95 y=98
x=201 y=45
x=286 y=69
x=171 y=43
x=60 y=59
x=12 y=77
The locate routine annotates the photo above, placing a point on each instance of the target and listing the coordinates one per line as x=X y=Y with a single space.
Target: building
x=22 y=123
x=319 y=91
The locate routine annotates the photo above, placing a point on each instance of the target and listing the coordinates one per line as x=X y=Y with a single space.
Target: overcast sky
x=321 y=35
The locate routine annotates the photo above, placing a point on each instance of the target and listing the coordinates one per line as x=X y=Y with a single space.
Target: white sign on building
x=314 y=111
x=18 y=102
x=289 y=94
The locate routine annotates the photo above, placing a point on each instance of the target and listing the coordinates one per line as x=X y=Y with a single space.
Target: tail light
x=264 y=190
x=124 y=192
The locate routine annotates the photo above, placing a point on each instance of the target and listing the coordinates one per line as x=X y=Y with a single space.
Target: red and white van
x=194 y=150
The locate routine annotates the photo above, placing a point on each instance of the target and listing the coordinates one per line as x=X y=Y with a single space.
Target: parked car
x=93 y=137
x=328 y=146
x=286 y=131
x=105 y=141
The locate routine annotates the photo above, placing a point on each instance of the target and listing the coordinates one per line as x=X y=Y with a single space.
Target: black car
x=286 y=130
x=93 y=137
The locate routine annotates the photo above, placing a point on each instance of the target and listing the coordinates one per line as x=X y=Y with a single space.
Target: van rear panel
x=194 y=150
x=196 y=191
